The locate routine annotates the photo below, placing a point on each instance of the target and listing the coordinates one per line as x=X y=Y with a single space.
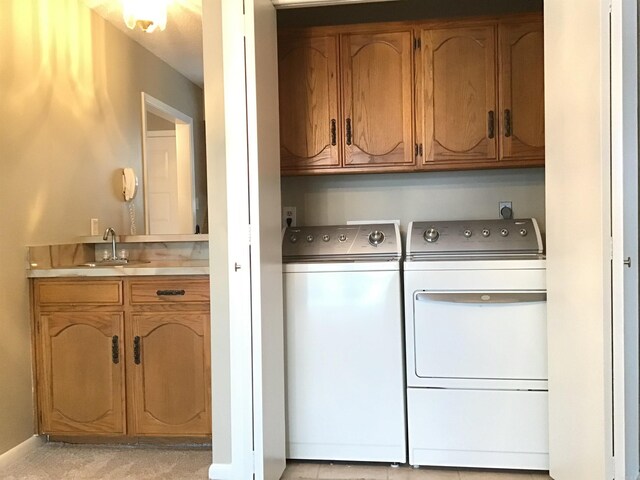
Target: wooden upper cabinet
x=81 y=373
x=458 y=95
x=377 y=102
x=521 y=90
x=308 y=89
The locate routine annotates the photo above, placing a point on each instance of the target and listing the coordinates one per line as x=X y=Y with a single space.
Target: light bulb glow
x=148 y=15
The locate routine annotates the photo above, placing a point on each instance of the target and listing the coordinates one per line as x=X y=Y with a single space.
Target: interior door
x=251 y=368
x=162 y=182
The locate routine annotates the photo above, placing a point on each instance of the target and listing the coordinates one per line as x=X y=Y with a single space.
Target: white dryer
x=475 y=317
x=344 y=343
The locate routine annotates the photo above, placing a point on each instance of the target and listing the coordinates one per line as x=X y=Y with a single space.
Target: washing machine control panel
x=348 y=242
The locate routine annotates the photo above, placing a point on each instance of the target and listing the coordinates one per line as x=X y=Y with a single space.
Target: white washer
x=344 y=343
x=475 y=317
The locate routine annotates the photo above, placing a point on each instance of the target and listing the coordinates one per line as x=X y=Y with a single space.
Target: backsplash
x=56 y=256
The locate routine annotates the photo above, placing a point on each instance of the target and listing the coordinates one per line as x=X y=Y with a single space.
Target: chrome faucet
x=105 y=237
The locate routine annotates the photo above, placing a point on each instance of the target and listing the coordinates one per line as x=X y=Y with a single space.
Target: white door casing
x=254 y=266
x=266 y=250
x=624 y=218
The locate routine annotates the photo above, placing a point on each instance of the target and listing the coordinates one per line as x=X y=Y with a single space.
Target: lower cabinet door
x=82 y=373
x=169 y=374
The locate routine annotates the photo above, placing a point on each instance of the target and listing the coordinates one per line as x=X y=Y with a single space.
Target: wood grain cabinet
x=123 y=357
x=481 y=95
x=346 y=100
x=442 y=95
x=521 y=87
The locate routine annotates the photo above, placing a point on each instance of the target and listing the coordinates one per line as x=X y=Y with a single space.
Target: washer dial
x=376 y=238
x=431 y=235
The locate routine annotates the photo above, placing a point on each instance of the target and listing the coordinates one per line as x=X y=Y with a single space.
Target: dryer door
x=485 y=335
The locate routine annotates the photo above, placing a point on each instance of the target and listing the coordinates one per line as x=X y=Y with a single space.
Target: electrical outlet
x=507 y=214
x=95 y=228
x=289 y=216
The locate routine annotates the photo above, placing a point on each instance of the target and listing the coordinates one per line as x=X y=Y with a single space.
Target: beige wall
x=70 y=93
x=336 y=199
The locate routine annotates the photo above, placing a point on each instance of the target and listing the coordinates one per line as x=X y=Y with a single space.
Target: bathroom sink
x=114 y=263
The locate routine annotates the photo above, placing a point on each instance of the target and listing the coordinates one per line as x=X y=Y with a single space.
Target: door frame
x=624 y=223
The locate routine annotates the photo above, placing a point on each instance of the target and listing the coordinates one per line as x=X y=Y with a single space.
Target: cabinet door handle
x=348 y=128
x=507 y=123
x=115 y=349
x=170 y=293
x=136 y=350
x=492 y=124
x=333 y=131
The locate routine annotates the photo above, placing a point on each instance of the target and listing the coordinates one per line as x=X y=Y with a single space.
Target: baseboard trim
x=219 y=471
x=21 y=450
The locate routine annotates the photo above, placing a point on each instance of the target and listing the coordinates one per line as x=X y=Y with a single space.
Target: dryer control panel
x=342 y=242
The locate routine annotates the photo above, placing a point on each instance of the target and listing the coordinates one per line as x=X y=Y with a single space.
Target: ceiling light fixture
x=147 y=15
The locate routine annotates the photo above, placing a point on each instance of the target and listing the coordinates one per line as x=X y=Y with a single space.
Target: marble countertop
x=152 y=268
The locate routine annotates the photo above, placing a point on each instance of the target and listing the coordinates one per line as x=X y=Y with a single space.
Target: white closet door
x=253 y=441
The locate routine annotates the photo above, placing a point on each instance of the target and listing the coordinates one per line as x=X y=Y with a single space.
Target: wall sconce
x=147 y=15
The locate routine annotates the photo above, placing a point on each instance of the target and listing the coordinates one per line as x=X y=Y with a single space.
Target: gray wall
x=335 y=199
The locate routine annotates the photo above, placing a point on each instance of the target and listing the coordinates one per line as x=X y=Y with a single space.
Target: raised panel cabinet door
x=82 y=373
x=169 y=370
x=458 y=95
x=522 y=90
x=308 y=90
x=377 y=89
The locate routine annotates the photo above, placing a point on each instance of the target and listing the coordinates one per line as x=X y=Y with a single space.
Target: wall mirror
x=168 y=169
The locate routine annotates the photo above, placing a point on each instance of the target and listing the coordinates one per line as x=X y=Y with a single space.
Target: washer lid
x=474 y=239
x=374 y=241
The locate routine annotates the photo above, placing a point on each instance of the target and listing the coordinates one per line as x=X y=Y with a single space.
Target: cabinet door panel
x=170 y=384
x=308 y=89
x=522 y=90
x=82 y=385
x=459 y=97
x=378 y=99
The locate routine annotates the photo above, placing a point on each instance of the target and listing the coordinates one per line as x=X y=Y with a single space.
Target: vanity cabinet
x=123 y=357
x=346 y=99
x=437 y=95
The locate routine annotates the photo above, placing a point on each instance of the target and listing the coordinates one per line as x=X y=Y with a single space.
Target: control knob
x=504 y=232
x=431 y=235
x=376 y=238
x=523 y=232
x=486 y=232
x=326 y=238
x=467 y=233
x=342 y=237
x=309 y=238
x=293 y=238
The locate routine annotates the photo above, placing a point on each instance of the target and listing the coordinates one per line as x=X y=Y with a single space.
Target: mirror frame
x=185 y=147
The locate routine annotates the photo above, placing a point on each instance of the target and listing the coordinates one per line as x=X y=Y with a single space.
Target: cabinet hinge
x=418 y=149
x=417 y=43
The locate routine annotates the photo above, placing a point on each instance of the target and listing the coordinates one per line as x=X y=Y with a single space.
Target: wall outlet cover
x=288 y=216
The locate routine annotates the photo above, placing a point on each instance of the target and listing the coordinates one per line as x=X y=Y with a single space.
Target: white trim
x=185 y=149
x=219 y=471
x=20 y=451
x=624 y=197
x=161 y=133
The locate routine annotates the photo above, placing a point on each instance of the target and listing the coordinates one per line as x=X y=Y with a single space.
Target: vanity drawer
x=169 y=291
x=79 y=293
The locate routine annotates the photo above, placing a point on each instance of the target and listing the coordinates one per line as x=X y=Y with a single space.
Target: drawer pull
x=115 y=349
x=170 y=293
x=136 y=350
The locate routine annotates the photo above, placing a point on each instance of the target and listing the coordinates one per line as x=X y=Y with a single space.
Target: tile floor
x=327 y=471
